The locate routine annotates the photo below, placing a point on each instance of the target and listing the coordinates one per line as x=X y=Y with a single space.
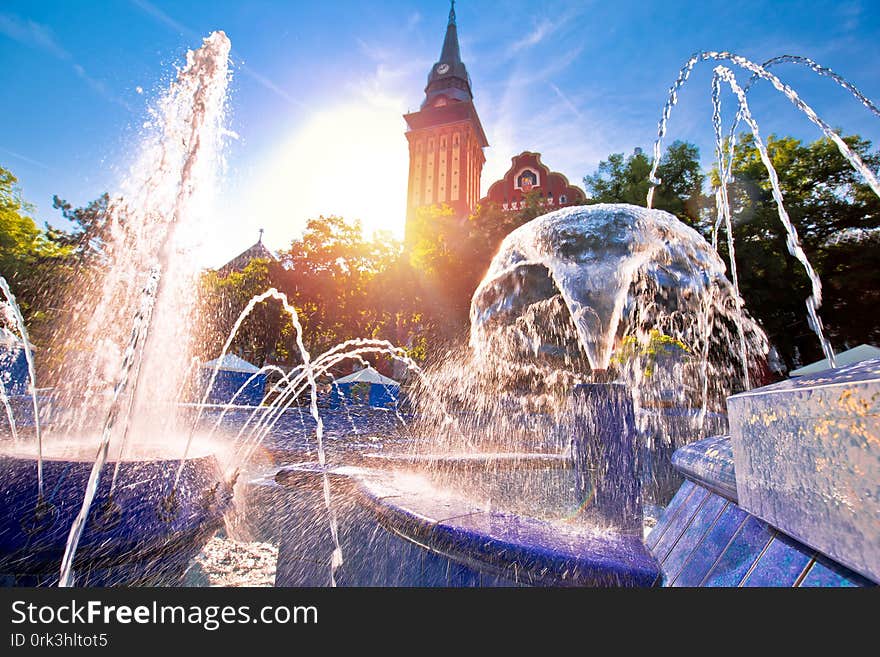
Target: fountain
x=538 y=478
x=563 y=361
x=95 y=499
x=578 y=440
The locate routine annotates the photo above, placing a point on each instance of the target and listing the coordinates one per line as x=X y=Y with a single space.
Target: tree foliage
x=449 y=257
x=222 y=298
x=34 y=261
x=622 y=179
x=835 y=213
x=836 y=216
x=91 y=224
x=346 y=286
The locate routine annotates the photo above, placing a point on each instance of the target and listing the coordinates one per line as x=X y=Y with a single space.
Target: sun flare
x=349 y=161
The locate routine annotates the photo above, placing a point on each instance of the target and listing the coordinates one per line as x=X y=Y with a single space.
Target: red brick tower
x=446 y=139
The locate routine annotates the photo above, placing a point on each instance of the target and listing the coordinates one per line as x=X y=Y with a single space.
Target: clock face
x=442 y=68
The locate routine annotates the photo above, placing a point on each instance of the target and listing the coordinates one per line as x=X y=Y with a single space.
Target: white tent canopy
x=232 y=363
x=10 y=340
x=848 y=357
x=367 y=375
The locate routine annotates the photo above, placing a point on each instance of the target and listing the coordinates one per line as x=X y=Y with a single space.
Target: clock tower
x=446 y=139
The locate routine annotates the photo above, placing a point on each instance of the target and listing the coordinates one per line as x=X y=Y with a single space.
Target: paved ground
x=228 y=562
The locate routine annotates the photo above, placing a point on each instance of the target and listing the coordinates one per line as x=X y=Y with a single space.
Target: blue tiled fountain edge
x=525 y=550
x=709 y=462
x=733 y=548
x=808 y=460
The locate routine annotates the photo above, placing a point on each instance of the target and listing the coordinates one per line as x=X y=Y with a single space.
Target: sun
x=349 y=161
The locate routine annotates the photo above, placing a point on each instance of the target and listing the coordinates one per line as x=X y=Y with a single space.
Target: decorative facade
x=528 y=174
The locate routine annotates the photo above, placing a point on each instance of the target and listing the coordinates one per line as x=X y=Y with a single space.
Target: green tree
x=261 y=337
x=449 y=257
x=91 y=224
x=622 y=179
x=32 y=260
x=330 y=274
x=837 y=218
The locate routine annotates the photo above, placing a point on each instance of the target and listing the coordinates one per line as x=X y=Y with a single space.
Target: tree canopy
x=345 y=285
x=32 y=260
x=622 y=179
x=837 y=217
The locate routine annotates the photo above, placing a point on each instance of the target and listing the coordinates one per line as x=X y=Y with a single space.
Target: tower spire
x=451 y=54
x=448 y=80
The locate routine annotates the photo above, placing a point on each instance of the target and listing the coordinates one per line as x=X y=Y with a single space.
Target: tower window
x=562 y=198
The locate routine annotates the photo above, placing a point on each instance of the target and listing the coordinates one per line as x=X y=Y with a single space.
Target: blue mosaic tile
x=459 y=575
x=781 y=564
x=363 y=553
x=687 y=488
x=704 y=556
x=305 y=533
x=488 y=580
x=703 y=521
x=829 y=574
x=295 y=572
x=528 y=550
x=709 y=462
x=547 y=554
x=679 y=523
x=403 y=562
x=741 y=553
x=434 y=569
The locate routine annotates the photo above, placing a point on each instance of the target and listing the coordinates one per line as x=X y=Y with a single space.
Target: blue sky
x=319 y=88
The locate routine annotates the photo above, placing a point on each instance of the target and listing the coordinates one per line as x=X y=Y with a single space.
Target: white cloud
x=541 y=31
x=32 y=34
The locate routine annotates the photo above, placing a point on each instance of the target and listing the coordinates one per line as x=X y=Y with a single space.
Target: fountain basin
x=396 y=528
x=135 y=537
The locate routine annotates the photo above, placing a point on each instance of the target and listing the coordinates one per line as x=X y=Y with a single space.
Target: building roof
x=367 y=375
x=257 y=251
x=848 y=357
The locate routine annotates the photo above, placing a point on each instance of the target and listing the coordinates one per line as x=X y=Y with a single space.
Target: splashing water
x=792 y=241
x=758 y=71
x=147 y=231
x=581 y=290
x=138 y=332
x=722 y=208
x=4 y=399
x=12 y=308
x=591 y=257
